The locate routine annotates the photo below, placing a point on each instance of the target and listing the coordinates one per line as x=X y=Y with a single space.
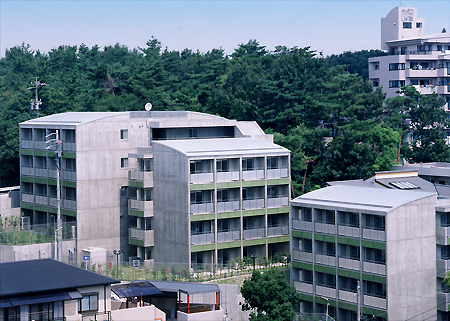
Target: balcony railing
x=201 y=178
x=351 y=231
x=69 y=146
x=227 y=176
x=146 y=236
x=40 y=171
x=377 y=235
x=28 y=144
x=442 y=266
x=227 y=236
x=52 y=201
x=40 y=199
x=302 y=256
x=253 y=175
x=325 y=228
x=305 y=287
x=251 y=204
x=202 y=238
x=301 y=225
x=325 y=291
x=443 y=301
x=278 y=229
x=348 y=263
x=254 y=233
x=325 y=259
x=278 y=201
x=374 y=301
x=202 y=208
x=69 y=175
x=376 y=268
x=347 y=296
x=228 y=206
x=27 y=171
x=29 y=198
x=277 y=173
x=69 y=204
x=40 y=144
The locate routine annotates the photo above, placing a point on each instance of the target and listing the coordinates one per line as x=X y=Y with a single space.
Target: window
x=397 y=66
x=148 y=194
x=414 y=82
x=124 y=134
x=248 y=164
x=124 y=162
x=145 y=165
x=306 y=214
x=439 y=47
x=396 y=83
x=403 y=50
x=418 y=24
x=376 y=83
x=124 y=191
x=423 y=48
x=89 y=302
x=222 y=195
x=272 y=162
x=407 y=25
x=376 y=66
x=192 y=132
x=223 y=165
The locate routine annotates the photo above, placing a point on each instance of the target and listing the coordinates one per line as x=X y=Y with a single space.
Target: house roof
x=24 y=277
x=222 y=146
x=363 y=198
x=71 y=118
x=185 y=287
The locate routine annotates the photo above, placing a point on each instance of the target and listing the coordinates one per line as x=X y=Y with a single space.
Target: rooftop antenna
x=34 y=105
x=148 y=106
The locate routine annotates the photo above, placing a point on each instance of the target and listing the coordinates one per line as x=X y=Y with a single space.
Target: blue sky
x=331 y=27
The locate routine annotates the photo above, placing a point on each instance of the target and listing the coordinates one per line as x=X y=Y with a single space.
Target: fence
x=12 y=235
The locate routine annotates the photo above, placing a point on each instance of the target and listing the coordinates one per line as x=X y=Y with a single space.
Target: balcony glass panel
x=254 y=233
x=278 y=229
x=202 y=238
x=227 y=236
x=306 y=287
x=302 y=256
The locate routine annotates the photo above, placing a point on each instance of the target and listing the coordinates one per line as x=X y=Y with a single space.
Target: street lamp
x=117 y=253
x=254 y=256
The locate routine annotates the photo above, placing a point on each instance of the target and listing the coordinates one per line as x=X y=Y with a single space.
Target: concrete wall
x=411 y=261
x=100 y=176
x=148 y=313
x=10 y=201
x=392 y=25
x=170 y=206
x=216 y=315
x=33 y=251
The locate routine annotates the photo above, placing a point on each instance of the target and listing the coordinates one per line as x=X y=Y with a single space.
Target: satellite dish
x=148 y=106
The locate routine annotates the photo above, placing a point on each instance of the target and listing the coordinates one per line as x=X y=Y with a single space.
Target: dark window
x=403 y=50
x=418 y=24
x=124 y=134
x=89 y=302
x=407 y=25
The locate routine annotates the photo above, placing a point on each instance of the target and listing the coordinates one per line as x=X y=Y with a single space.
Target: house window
x=407 y=25
x=376 y=83
x=418 y=24
x=192 y=132
x=397 y=66
x=124 y=162
x=439 y=47
x=124 y=134
x=89 y=302
x=223 y=165
x=396 y=83
x=403 y=50
x=272 y=162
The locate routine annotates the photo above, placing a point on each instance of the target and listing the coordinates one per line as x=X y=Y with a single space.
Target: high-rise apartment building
x=164 y=187
x=412 y=59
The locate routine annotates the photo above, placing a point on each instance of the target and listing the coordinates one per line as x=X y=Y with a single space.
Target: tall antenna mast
x=34 y=105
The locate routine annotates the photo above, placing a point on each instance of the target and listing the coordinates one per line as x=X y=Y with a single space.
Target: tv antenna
x=34 y=105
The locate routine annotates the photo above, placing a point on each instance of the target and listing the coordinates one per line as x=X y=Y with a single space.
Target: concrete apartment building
x=412 y=58
x=389 y=232
x=179 y=188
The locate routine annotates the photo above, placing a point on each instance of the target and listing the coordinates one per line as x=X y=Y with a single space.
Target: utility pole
x=55 y=144
x=34 y=105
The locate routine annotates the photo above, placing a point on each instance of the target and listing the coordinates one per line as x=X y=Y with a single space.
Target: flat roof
x=185 y=287
x=222 y=146
x=71 y=118
x=364 y=198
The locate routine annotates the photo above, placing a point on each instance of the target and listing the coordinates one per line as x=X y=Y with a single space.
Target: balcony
x=442 y=234
x=52 y=173
x=301 y=225
x=202 y=208
x=145 y=177
x=145 y=238
x=29 y=198
x=305 y=287
x=69 y=146
x=351 y=231
x=227 y=176
x=69 y=204
x=41 y=199
x=325 y=259
x=52 y=201
x=325 y=291
x=277 y=173
x=202 y=238
x=146 y=206
x=40 y=144
x=442 y=72
x=374 y=301
x=442 y=301
x=443 y=89
x=421 y=73
x=27 y=144
x=227 y=206
x=278 y=229
x=254 y=233
x=442 y=266
x=376 y=268
x=278 y=201
x=252 y=204
x=227 y=236
x=348 y=263
x=253 y=175
x=40 y=171
x=202 y=178
x=302 y=256
x=376 y=235
x=426 y=90
x=324 y=228
x=69 y=175
x=27 y=171
x=347 y=296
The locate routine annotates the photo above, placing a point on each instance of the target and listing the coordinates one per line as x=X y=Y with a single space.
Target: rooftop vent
x=404 y=185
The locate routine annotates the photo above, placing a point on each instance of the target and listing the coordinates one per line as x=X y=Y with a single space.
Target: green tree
x=269 y=296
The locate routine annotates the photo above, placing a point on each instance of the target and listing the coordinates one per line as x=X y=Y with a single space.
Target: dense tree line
x=322 y=108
